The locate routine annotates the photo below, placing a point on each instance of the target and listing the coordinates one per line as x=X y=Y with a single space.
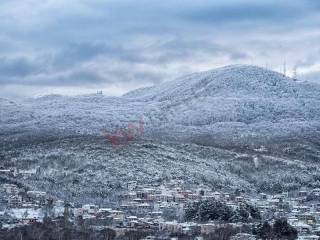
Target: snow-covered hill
x=71 y=166
x=229 y=81
x=233 y=110
x=233 y=105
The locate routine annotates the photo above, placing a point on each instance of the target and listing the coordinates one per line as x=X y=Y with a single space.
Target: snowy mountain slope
x=233 y=105
x=232 y=111
x=233 y=80
x=71 y=166
x=237 y=103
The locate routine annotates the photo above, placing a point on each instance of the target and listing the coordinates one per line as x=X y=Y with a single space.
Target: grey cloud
x=178 y=50
x=76 y=78
x=72 y=43
x=312 y=76
x=309 y=60
x=238 y=56
x=81 y=77
x=78 y=52
x=17 y=67
x=242 y=12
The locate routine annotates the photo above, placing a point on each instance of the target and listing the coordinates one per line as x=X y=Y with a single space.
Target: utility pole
x=284 y=68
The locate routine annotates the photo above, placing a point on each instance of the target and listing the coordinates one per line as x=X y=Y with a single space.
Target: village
x=159 y=210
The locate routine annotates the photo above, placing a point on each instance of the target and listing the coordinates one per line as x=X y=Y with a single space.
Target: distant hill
x=234 y=105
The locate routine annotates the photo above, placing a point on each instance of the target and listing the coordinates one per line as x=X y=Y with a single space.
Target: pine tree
x=283 y=230
x=265 y=231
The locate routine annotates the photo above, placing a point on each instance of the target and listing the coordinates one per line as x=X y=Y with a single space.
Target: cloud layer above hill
x=73 y=47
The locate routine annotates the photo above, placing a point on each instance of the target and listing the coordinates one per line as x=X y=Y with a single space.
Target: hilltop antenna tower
x=295 y=75
x=284 y=68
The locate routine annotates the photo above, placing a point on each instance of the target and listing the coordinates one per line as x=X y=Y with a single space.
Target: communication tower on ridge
x=294 y=74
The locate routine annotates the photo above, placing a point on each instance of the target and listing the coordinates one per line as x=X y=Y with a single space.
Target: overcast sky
x=76 y=47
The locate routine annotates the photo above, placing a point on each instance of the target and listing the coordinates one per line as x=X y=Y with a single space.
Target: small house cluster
x=160 y=208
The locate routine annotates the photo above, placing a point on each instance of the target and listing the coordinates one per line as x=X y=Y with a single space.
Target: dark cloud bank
x=50 y=46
